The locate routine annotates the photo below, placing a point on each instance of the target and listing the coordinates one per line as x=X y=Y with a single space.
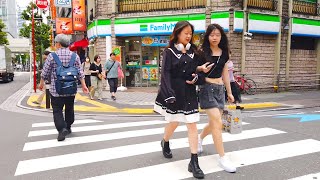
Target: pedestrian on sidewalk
x=111 y=71
x=58 y=101
x=87 y=73
x=234 y=87
x=215 y=50
x=96 y=78
x=40 y=98
x=177 y=100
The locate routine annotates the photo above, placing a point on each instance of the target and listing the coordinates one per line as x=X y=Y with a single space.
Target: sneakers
x=113 y=97
x=62 y=134
x=69 y=130
x=100 y=99
x=227 y=165
x=200 y=149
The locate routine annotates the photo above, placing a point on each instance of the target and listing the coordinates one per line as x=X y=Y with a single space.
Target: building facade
x=8 y=14
x=283 y=51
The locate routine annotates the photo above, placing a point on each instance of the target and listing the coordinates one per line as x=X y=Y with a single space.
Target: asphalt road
x=273 y=145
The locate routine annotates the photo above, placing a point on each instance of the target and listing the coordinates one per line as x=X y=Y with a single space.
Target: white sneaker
x=227 y=165
x=200 y=150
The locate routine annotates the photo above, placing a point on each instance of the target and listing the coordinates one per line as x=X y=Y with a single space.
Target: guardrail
x=131 y=6
x=263 y=4
x=306 y=7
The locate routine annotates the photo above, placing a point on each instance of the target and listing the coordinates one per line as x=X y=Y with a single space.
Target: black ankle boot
x=166 y=149
x=195 y=168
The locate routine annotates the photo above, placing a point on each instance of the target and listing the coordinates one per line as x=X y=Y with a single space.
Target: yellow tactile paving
x=101 y=107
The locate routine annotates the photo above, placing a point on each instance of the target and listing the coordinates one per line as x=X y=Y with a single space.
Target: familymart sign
x=160 y=25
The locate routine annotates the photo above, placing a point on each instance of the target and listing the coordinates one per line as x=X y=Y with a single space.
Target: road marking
x=98 y=127
x=309 y=176
x=74 y=159
x=101 y=137
x=209 y=164
x=83 y=121
x=270 y=115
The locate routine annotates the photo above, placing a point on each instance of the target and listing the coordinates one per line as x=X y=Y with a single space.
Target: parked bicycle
x=246 y=85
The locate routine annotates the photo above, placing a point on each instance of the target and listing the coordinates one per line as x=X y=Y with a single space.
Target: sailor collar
x=179 y=54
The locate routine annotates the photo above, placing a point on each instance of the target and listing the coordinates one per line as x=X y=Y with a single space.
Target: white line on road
x=268 y=115
x=307 y=177
x=101 y=137
x=83 y=121
x=209 y=164
x=74 y=159
x=97 y=127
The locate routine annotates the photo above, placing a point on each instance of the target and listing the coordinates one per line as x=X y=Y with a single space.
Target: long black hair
x=223 y=45
x=177 y=30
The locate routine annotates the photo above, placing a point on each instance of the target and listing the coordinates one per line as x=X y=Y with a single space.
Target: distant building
x=8 y=14
x=20 y=21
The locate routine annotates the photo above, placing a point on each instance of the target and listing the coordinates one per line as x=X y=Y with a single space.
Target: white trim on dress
x=179 y=117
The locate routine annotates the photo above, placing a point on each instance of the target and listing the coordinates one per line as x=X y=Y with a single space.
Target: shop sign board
x=64 y=25
x=117 y=51
x=79 y=15
x=305 y=27
x=155 y=41
x=63 y=3
x=263 y=23
x=221 y=18
x=160 y=25
x=238 y=21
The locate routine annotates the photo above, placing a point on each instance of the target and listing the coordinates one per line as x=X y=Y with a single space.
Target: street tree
x=3 y=35
x=42 y=30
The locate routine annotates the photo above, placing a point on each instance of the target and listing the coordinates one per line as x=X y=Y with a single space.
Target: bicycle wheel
x=250 y=87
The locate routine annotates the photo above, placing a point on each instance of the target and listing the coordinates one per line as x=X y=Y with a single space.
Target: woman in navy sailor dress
x=177 y=99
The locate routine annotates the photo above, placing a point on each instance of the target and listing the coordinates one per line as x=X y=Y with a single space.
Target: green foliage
x=3 y=35
x=42 y=31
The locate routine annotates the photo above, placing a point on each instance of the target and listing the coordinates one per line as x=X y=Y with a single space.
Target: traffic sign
x=42 y=4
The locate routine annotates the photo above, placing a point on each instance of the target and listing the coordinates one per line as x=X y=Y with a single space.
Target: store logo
x=143 y=27
x=164 y=27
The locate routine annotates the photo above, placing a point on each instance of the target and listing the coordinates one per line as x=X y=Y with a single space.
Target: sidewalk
x=141 y=100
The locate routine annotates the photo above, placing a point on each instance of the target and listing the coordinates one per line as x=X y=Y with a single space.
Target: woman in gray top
x=111 y=68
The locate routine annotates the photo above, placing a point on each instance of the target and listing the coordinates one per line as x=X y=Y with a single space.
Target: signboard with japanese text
x=63 y=3
x=155 y=41
x=42 y=4
x=79 y=15
x=64 y=25
x=117 y=51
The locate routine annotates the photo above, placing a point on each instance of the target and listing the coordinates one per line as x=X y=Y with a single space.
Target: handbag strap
x=214 y=67
x=112 y=65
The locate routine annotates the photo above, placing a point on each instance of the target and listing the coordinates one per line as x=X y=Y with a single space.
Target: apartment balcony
x=131 y=6
x=309 y=7
x=263 y=4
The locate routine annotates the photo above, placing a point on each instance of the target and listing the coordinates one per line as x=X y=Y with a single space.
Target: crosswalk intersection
x=98 y=149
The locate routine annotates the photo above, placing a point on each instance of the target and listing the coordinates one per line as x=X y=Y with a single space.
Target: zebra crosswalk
x=131 y=150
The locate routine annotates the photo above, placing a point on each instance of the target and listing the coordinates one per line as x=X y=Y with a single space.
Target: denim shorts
x=211 y=96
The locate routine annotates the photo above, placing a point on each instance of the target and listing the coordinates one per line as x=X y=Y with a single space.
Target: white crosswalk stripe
x=40 y=141
x=308 y=177
x=83 y=121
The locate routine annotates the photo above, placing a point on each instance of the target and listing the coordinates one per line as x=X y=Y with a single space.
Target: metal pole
x=34 y=53
x=289 y=44
x=245 y=29
x=278 y=50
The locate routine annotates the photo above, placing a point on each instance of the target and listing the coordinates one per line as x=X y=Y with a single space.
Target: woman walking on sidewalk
x=96 y=77
x=111 y=69
x=215 y=50
x=177 y=100
x=86 y=69
x=234 y=87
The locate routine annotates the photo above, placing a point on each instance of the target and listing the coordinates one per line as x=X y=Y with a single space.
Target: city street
x=281 y=144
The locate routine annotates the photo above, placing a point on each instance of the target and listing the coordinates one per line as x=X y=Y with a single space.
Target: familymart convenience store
x=142 y=40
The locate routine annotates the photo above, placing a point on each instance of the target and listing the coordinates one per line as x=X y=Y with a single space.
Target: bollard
x=47 y=96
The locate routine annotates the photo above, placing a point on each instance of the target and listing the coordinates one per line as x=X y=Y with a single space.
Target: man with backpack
x=63 y=68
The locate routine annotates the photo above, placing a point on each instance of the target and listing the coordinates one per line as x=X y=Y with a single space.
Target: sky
x=23 y=3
